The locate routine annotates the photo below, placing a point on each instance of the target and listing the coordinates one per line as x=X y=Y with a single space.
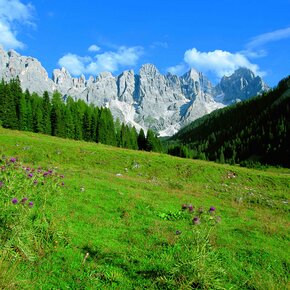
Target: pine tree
x=8 y=107
x=87 y=125
x=141 y=140
x=57 y=126
x=46 y=109
x=29 y=118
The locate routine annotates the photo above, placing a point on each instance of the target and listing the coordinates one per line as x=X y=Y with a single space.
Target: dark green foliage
x=46 y=106
x=8 y=115
x=106 y=130
x=152 y=142
x=257 y=129
x=180 y=151
x=70 y=119
x=141 y=140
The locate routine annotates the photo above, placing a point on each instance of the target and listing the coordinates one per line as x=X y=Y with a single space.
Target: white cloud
x=94 y=48
x=108 y=61
x=73 y=63
x=12 y=14
x=218 y=62
x=269 y=37
x=177 y=69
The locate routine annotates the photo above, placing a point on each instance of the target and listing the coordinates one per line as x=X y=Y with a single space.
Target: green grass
x=113 y=224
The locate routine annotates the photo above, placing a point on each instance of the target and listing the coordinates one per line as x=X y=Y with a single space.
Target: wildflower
x=30 y=204
x=190 y=208
x=61 y=176
x=24 y=199
x=50 y=171
x=27 y=169
x=30 y=175
x=45 y=174
x=14 y=200
x=62 y=184
x=13 y=159
x=184 y=206
x=212 y=209
x=35 y=181
x=196 y=220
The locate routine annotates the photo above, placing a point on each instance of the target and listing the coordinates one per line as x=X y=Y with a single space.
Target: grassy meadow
x=100 y=217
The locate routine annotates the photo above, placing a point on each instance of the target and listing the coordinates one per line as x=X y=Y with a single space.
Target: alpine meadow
x=144 y=145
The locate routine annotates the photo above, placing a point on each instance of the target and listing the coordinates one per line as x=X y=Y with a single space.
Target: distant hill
x=254 y=130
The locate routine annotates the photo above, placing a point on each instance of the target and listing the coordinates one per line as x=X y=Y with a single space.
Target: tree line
x=253 y=131
x=70 y=119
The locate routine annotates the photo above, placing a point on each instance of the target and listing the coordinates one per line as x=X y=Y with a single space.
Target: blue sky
x=88 y=37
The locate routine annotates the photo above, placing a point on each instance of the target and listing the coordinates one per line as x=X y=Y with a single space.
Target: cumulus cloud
x=94 y=48
x=110 y=61
x=219 y=62
x=13 y=13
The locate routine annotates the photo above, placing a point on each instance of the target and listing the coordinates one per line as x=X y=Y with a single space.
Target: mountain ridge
x=164 y=103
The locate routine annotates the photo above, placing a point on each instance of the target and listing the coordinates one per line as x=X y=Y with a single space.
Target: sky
x=91 y=36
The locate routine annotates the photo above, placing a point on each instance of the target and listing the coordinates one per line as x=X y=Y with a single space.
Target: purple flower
x=13 y=159
x=190 y=208
x=24 y=199
x=50 y=171
x=27 y=169
x=61 y=176
x=30 y=175
x=62 y=184
x=35 y=181
x=196 y=220
x=45 y=174
x=211 y=209
x=14 y=200
x=30 y=204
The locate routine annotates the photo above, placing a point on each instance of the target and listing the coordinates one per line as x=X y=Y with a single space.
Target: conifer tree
x=57 y=126
x=141 y=140
x=46 y=109
x=87 y=125
x=8 y=107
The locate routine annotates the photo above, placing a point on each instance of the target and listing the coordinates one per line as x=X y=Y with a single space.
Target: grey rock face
x=241 y=85
x=164 y=103
x=29 y=70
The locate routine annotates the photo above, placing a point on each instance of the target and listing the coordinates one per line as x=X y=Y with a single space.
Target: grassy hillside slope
x=116 y=222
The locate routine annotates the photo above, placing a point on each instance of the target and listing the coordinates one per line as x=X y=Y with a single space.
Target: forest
x=255 y=131
x=71 y=119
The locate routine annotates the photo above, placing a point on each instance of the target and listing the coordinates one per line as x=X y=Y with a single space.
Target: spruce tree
x=46 y=109
x=141 y=140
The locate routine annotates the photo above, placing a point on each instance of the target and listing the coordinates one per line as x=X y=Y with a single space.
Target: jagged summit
x=149 y=99
x=241 y=85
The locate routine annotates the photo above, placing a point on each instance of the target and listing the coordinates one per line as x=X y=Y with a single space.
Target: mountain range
x=164 y=103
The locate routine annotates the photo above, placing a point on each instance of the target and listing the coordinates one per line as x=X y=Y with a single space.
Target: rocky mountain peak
x=149 y=70
x=149 y=99
x=241 y=85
